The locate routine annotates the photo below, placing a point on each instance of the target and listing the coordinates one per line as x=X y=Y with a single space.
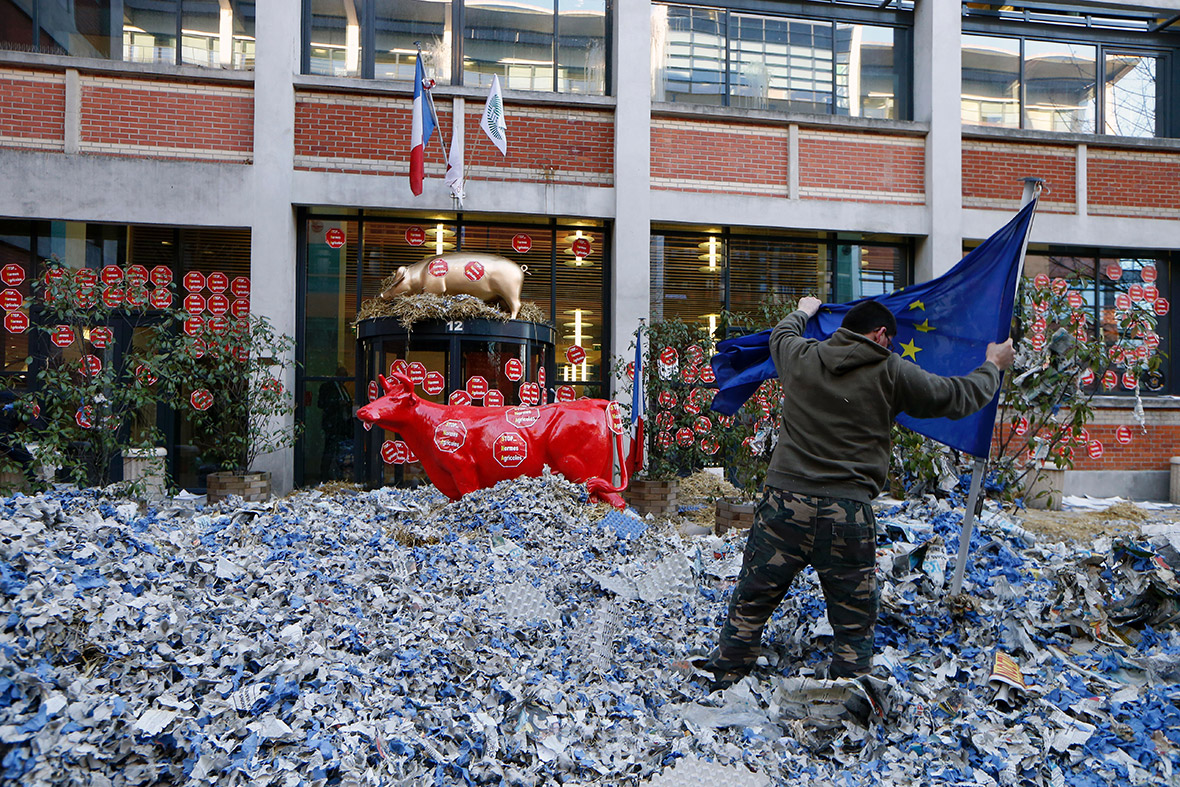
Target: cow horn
x=386 y=385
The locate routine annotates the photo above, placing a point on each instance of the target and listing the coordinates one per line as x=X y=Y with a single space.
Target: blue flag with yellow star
x=943 y=325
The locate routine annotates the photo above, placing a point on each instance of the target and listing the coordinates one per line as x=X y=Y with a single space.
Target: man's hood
x=846 y=350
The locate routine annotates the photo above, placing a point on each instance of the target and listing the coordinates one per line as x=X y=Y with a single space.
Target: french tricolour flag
x=635 y=455
x=421 y=127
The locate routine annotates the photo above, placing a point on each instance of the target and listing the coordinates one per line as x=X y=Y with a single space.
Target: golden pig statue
x=488 y=277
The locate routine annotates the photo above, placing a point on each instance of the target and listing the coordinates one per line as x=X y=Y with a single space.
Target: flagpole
x=1032 y=189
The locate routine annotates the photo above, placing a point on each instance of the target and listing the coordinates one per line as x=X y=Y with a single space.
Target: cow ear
x=386 y=385
x=405 y=381
x=401 y=275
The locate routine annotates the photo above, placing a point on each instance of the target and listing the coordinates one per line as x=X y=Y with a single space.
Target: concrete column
x=73 y=129
x=631 y=274
x=937 y=90
x=272 y=235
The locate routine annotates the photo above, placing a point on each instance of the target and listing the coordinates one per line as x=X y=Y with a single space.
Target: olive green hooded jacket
x=840 y=397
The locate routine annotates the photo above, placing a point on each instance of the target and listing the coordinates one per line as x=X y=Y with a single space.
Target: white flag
x=493 y=117
x=454 y=177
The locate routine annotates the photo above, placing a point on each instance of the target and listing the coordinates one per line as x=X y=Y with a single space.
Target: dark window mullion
x=368 y=17
x=1100 y=89
x=728 y=65
x=1022 y=88
x=178 y=59
x=556 y=36
x=458 y=35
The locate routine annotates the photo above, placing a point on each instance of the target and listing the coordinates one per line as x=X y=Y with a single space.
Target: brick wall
x=32 y=109
x=865 y=167
x=1134 y=182
x=1146 y=450
x=993 y=172
x=371 y=134
x=694 y=155
x=159 y=119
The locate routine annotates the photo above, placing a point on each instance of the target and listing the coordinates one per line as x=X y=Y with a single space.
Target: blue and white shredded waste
x=522 y=637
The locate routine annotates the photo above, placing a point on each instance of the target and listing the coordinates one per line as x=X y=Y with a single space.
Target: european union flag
x=943 y=325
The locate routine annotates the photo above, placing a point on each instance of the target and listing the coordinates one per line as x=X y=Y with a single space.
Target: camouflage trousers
x=838 y=537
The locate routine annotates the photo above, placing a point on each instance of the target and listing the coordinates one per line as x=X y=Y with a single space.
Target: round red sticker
x=581 y=247
x=541 y=376
x=11 y=300
x=1075 y=300
x=1088 y=377
x=194 y=281
x=1150 y=293
x=689 y=374
x=684 y=437
x=86 y=277
x=334 y=237
x=12 y=274
x=390 y=454
x=575 y=354
x=1114 y=271
x=473 y=270
x=102 y=336
x=434 y=383
x=399 y=366
x=707 y=375
x=417 y=372
x=240 y=307
x=1094 y=449
x=1082 y=436
x=218 y=323
x=566 y=393
x=161 y=275
x=1110 y=379
x=449 y=436
x=113 y=297
x=477 y=386
x=145 y=375
x=16 y=322
x=1022 y=426
x=137 y=275
x=1122 y=301
x=702 y=424
x=710 y=445
x=216 y=303
x=614 y=418
x=1148 y=273
x=1135 y=291
x=494 y=398
x=415 y=235
x=669 y=356
x=201 y=399
x=112 y=274
x=695 y=354
x=240 y=287
x=1123 y=435
x=1059 y=286
x=1160 y=306
x=1130 y=380
x=91 y=364
x=438 y=268
x=194 y=303
x=1151 y=339
x=665 y=439
x=510 y=449
x=521 y=243
x=85 y=417
x=197 y=348
x=459 y=397
x=667 y=398
x=1041 y=281
x=513 y=369
x=1116 y=353
x=62 y=336
x=161 y=298
x=217 y=282
x=374 y=391
x=1038 y=341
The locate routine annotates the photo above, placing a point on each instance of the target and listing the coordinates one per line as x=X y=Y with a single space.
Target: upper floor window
x=830 y=66
x=549 y=45
x=213 y=33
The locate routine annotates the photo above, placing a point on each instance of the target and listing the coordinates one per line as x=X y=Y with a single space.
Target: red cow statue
x=463 y=447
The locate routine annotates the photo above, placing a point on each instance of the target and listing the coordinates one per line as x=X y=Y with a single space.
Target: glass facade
x=1077 y=87
x=212 y=33
x=696 y=276
x=565 y=277
x=542 y=45
x=756 y=61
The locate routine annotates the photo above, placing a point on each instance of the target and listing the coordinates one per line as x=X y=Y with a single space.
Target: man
x=840 y=397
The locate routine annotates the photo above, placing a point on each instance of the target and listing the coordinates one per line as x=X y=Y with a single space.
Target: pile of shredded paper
x=522 y=637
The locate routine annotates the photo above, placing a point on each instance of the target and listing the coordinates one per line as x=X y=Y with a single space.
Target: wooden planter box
x=660 y=498
x=251 y=487
x=732 y=514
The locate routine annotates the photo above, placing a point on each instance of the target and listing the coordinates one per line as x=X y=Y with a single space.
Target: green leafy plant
x=91 y=401
x=229 y=376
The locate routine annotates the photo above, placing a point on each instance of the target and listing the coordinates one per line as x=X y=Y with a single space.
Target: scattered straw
x=411 y=309
x=704 y=487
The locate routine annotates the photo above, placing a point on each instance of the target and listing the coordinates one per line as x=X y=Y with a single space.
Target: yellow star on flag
x=910 y=350
x=924 y=326
x=918 y=305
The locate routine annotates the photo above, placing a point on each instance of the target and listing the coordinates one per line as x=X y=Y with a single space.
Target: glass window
x=991 y=81
x=513 y=40
x=329 y=344
x=335 y=45
x=81 y=28
x=867 y=80
x=581 y=46
x=149 y=30
x=688 y=55
x=1060 y=86
x=1130 y=95
x=399 y=26
x=778 y=63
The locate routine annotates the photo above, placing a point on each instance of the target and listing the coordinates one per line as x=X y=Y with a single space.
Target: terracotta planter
x=732 y=514
x=251 y=487
x=649 y=496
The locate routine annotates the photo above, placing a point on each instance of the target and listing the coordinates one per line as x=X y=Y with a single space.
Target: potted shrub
x=90 y=404
x=229 y=377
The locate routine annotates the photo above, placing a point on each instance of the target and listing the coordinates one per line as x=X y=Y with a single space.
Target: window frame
x=901 y=21
x=367 y=15
x=1163 y=46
